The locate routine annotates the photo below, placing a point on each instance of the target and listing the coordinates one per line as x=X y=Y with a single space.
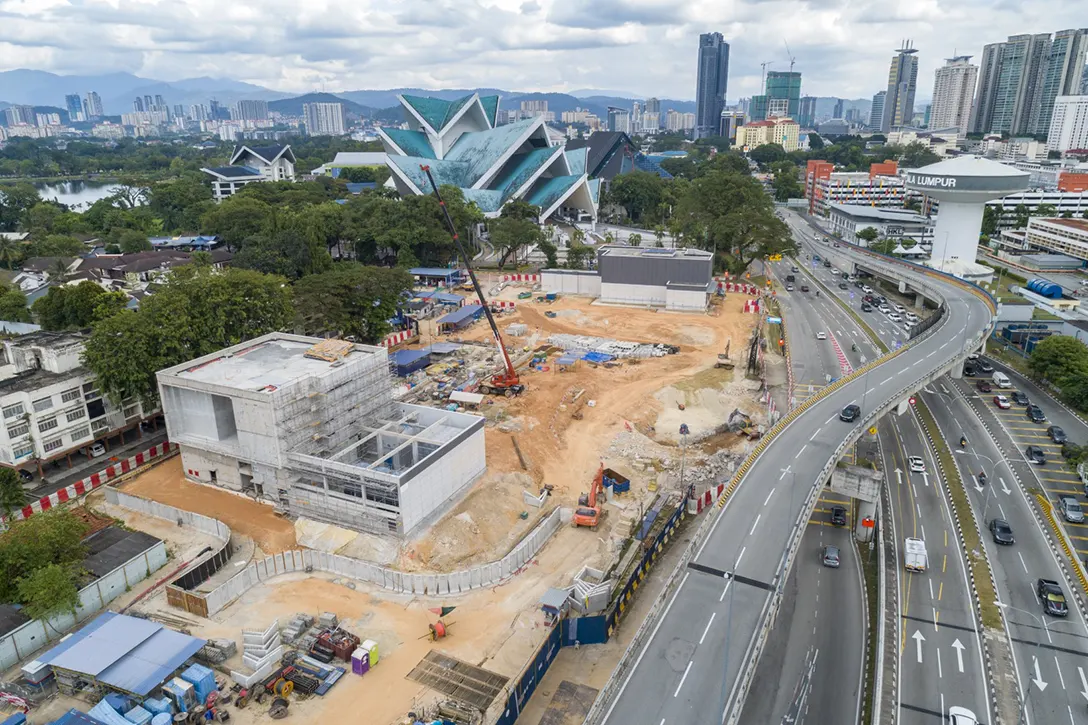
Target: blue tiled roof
x=645 y=163
x=491 y=107
x=521 y=167
x=454 y=108
x=234 y=172
x=454 y=173
x=595 y=190
x=481 y=149
x=412 y=143
x=548 y=192
x=576 y=159
x=487 y=200
x=432 y=110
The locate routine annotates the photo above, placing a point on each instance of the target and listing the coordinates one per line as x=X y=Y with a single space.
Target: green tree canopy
x=638 y=192
x=1059 y=359
x=49 y=591
x=237 y=218
x=50 y=538
x=197 y=311
x=350 y=300
x=77 y=306
x=12 y=497
x=868 y=234
x=130 y=240
x=768 y=154
x=15 y=200
x=786 y=184
x=13 y=304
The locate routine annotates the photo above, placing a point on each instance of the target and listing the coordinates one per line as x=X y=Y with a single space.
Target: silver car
x=831 y=556
x=1071 y=510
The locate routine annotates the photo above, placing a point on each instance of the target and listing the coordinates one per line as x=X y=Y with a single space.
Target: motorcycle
x=853 y=348
x=817 y=293
x=963 y=441
x=982 y=478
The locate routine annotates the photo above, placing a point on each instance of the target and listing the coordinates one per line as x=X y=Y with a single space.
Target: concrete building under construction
x=312 y=425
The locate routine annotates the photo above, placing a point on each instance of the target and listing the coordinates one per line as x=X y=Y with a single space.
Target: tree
x=550 y=251
x=131 y=241
x=11 y=252
x=634 y=239
x=197 y=311
x=77 y=306
x=768 y=154
x=237 y=218
x=350 y=300
x=509 y=234
x=868 y=234
x=49 y=537
x=55 y=245
x=12 y=497
x=989 y=220
x=578 y=254
x=913 y=204
x=15 y=200
x=659 y=236
x=786 y=184
x=1059 y=359
x=917 y=154
x=1046 y=210
x=638 y=192
x=1021 y=216
x=42 y=217
x=13 y=304
x=365 y=174
x=883 y=246
x=181 y=203
x=815 y=142
x=49 y=591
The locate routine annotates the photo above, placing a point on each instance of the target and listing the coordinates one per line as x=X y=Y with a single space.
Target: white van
x=1001 y=380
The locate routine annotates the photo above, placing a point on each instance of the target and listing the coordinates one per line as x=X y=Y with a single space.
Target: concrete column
x=863 y=510
x=956 y=372
x=919 y=301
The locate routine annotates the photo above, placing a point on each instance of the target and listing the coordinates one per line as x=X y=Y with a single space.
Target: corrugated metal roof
x=406 y=357
x=144 y=668
x=434 y=271
x=95 y=651
x=461 y=315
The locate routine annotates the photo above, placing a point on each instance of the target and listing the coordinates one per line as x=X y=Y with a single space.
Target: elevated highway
x=694 y=657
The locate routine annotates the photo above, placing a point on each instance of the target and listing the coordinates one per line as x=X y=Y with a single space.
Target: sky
x=644 y=47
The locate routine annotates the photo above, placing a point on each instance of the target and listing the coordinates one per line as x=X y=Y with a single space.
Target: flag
x=441 y=611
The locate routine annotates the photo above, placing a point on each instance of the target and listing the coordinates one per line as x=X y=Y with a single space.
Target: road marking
x=1038 y=679
x=1003 y=513
x=886 y=381
x=931 y=354
x=784 y=472
x=930 y=581
x=724 y=591
x=754 y=525
x=1083 y=683
x=914 y=489
x=736 y=565
x=943 y=346
x=936 y=615
x=828 y=421
x=768 y=499
x=815 y=434
x=712 y=615
x=1058 y=666
x=1026 y=572
x=869 y=390
x=686 y=670
x=923 y=528
x=918 y=639
x=919 y=507
x=940 y=591
x=944 y=563
x=958 y=646
x=940 y=670
x=801 y=451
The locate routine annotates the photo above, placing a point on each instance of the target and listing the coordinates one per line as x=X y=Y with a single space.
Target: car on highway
x=984 y=386
x=1002 y=402
x=866 y=307
x=867 y=289
x=831 y=556
x=827 y=263
x=1057 y=434
x=961 y=716
x=917 y=465
x=900 y=309
x=985 y=367
x=1035 y=414
x=794 y=269
x=821 y=335
x=885 y=309
x=1052 y=597
x=836 y=246
x=912 y=318
x=838 y=516
x=1035 y=454
x=1019 y=398
x=850 y=413
x=789 y=288
x=843 y=285
x=804 y=288
x=1002 y=532
x=894 y=317
x=1071 y=510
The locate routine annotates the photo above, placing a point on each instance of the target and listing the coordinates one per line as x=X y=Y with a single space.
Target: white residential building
x=50 y=403
x=249 y=164
x=1058 y=236
x=953 y=91
x=311 y=424
x=1073 y=202
x=324 y=119
x=1068 y=124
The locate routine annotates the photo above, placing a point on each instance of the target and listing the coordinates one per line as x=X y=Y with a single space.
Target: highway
x=687 y=667
x=1052 y=662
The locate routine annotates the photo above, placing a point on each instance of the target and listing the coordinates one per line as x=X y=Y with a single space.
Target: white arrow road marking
x=918 y=639
x=1083 y=683
x=925 y=477
x=1004 y=486
x=1038 y=679
x=899 y=476
x=959 y=653
x=943 y=388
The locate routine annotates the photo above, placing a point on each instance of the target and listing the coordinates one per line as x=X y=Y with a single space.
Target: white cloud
x=648 y=46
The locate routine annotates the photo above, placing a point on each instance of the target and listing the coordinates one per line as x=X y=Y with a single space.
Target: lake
x=77 y=194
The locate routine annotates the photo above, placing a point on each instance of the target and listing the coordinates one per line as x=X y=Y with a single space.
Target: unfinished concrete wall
x=571 y=282
x=686 y=300
x=633 y=294
x=427 y=494
x=200 y=464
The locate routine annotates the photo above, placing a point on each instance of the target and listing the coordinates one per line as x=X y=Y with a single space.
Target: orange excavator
x=506 y=382
x=589 y=512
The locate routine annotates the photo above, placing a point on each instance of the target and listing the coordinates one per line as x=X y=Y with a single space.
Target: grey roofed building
x=847 y=220
x=610 y=153
x=234 y=172
x=676 y=279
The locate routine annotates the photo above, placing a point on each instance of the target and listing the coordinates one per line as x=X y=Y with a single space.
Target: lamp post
x=1025 y=697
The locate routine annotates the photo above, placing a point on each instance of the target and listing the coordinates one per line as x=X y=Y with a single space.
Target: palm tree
x=58 y=269
x=10 y=251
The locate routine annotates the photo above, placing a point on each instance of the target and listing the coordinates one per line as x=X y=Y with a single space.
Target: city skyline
x=840 y=47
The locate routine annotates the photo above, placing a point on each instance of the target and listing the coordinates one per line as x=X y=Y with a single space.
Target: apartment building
x=51 y=405
x=1058 y=236
x=878 y=187
x=782 y=131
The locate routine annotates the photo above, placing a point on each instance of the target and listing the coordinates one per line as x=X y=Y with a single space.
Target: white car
x=98 y=450
x=894 y=317
x=917 y=465
x=961 y=716
x=821 y=335
x=900 y=309
x=911 y=317
x=885 y=309
x=867 y=289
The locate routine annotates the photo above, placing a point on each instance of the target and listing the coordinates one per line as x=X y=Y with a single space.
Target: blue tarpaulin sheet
x=106 y=714
x=647 y=524
x=597 y=357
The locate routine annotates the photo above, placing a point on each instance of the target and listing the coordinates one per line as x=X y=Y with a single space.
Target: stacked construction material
x=298 y=626
x=217 y=651
x=601 y=349
x=202 y=679
x=261 y=650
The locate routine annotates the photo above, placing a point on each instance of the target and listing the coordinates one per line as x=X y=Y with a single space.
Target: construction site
x=542 y=474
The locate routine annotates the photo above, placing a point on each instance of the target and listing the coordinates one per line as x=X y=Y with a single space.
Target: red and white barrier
x=501 y=304
x=530 y=278
x=95 y=480
x=743 y=287
x=396 y=338
x=752 y=306
x=844 y=363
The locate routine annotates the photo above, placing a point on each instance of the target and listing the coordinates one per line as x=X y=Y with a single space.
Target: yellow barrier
x=1048 y=511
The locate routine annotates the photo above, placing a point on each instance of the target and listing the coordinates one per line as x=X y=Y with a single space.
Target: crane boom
x=510 y=380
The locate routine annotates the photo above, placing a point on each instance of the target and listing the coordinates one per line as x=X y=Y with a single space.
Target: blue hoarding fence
x=523 y=689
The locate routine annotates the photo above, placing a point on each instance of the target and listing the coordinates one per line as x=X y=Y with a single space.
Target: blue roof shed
x=408 y=361
x=460 y=318
x=437 y=275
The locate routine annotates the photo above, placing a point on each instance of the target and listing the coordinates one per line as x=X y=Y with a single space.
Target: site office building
x=312 y=426
x=51 y=404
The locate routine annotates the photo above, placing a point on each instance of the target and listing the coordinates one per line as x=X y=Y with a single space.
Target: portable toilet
x=360 y=661
x=371 y=648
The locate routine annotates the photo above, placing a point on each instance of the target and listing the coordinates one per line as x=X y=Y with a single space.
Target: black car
x=985 y=367
x=1019 y=398
x=27 y=476
x=858 y=283
x=850 y=413
x=827 y=262
x=1057 y=434
x=1001 y=532
x=866 y=307
x=1035 y=414
x=804 y=288
x=1053 y=599
x=984 y=386
x=791 y=278
x=838 y=516
x=969 y=370
x=1035 y=454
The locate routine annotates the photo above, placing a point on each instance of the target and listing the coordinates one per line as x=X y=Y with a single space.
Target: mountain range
x=118 y=90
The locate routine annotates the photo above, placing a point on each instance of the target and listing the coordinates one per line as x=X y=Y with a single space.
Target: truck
x=914 y=555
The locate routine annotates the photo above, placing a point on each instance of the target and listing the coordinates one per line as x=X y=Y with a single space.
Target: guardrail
x=650 y=624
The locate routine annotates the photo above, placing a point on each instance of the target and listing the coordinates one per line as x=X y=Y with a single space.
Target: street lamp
x=1042 y=622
